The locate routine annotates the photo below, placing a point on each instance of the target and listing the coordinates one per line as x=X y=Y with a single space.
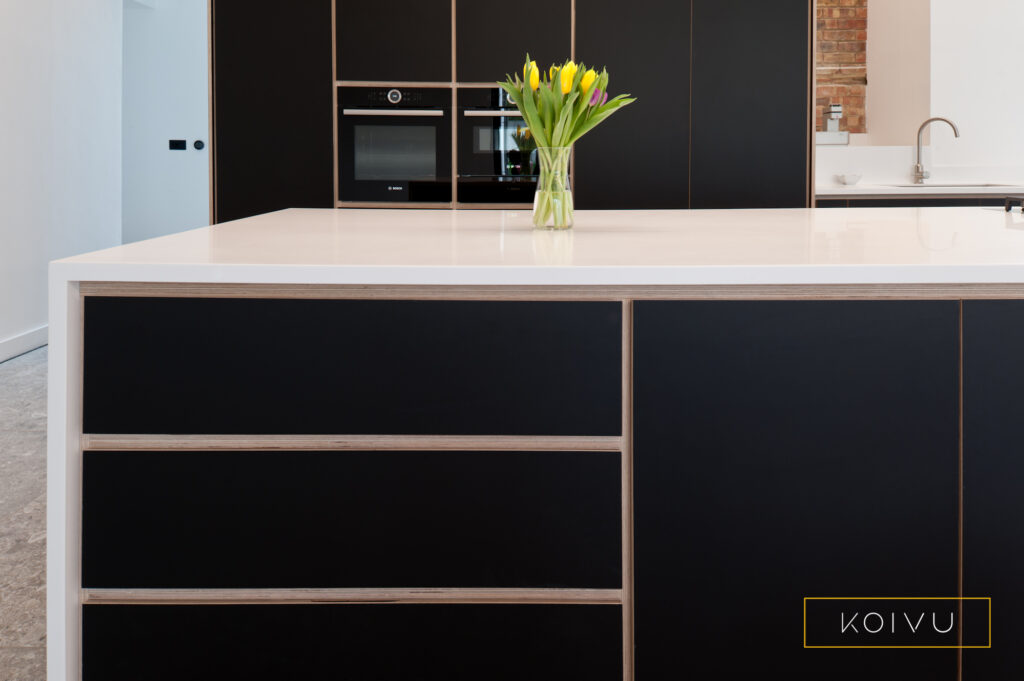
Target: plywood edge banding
x=326 y=596
x=628 y=635
x=566 y=293
x=496 y=443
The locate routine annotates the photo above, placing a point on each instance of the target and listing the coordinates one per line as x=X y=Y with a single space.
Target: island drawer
x=352 y=519
x=450 y=642
x=290 y=366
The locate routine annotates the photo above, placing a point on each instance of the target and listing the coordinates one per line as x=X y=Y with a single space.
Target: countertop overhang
x=400 y=247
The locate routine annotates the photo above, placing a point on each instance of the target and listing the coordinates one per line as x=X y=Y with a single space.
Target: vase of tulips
x=559 y=107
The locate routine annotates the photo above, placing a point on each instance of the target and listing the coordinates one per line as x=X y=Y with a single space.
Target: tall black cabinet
x=638 y=158
x=784 y=450
x=272 y=106
x=750 y=103
x=721 y=120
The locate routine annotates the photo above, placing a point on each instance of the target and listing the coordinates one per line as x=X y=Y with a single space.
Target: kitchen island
x=432 y=444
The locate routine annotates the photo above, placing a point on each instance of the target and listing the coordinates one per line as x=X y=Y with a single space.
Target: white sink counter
x=441 y=247
x=931 y=189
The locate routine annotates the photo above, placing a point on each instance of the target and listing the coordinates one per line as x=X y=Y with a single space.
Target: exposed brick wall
x=841 y=61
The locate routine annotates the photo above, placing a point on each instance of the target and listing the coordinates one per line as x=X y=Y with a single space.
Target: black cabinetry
x=385 y=642
x=494 y=36
x=784 y=450
x=404 y=40
x=750 y=102
x=639 y=157
x=272 y=98
x=352 y=519
x=994 y=479
x=219 y=365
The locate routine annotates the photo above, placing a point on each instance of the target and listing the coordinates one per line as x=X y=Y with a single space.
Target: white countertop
x=930 y=190
x=476 y=247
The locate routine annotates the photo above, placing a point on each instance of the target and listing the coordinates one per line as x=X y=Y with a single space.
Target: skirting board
x=22 y=343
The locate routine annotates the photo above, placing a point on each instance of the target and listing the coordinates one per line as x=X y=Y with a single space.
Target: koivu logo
x=875 y=623
x=897 y=622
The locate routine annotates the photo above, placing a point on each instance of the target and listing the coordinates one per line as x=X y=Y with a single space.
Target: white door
x=166 y=97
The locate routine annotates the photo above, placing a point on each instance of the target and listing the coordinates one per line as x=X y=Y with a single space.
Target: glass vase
x=552 y=204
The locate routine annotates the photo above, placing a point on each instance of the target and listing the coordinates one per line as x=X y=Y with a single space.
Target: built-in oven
x=497 y=155
x=394 y=144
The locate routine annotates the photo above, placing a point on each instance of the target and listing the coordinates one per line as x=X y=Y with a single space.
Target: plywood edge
x=313 y=596
x=174 y=443
x=567 y=293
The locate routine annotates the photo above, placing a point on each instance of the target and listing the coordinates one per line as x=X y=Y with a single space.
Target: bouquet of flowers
x=559 y=107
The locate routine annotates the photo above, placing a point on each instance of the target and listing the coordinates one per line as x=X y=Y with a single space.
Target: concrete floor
x=23 y=517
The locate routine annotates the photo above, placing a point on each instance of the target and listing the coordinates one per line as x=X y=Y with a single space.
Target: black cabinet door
x=221 y=365
x=273 y=121
x=494 y=36
x=639 y=157
x=751 y=103
x=352 y=519
x=786 y=450
x=364 y=642
x=994 y=479
x=401 y=40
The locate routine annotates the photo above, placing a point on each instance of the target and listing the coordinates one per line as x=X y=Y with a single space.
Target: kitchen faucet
x=920 y=174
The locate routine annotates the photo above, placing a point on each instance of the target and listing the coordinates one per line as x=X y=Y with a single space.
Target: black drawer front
x=380 y=642
x=214 y=365
x=351 y=519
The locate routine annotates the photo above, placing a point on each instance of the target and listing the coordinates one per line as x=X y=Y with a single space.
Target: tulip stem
x=553 y=205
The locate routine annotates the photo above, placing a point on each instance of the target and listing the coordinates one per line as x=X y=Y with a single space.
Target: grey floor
x=23 y=517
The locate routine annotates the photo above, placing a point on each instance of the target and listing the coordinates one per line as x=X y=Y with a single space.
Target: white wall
x=60 y=149
x=978 y=81
x=165 y=97
x=899 y=65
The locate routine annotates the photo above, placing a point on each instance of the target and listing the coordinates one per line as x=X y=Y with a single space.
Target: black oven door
x=497 y=156
x=394 y=153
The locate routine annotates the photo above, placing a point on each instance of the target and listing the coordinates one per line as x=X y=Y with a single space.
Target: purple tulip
x=594 y=98
x=604 y=99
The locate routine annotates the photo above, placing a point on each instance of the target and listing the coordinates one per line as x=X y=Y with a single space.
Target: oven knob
x=394 y=96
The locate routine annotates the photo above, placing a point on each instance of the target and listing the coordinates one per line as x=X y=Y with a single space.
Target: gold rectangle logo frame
x=904 y=598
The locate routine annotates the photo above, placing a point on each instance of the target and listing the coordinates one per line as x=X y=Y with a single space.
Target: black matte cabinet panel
x=352 y=519
x=214 y=365
x=751 y=103
x=638 y=158
x=494 y=36
x=785 y=450
x=399 y=40
x=273 y=122
x=358 y=642
x=994 y=479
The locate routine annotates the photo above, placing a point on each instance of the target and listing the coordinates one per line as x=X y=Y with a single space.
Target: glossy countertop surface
x=477 y=247
x=930 y=189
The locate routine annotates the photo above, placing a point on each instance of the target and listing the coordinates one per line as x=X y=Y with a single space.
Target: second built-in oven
x=394 y=145
x=497 y=156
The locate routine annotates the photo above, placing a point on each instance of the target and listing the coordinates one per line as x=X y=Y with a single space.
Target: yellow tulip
x=534 y=77
x=568 y=74
x=588 y=79
x=552 y=71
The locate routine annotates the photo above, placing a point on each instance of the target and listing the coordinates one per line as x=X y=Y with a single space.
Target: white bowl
x=849 y=179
